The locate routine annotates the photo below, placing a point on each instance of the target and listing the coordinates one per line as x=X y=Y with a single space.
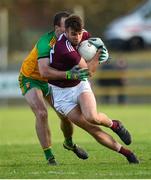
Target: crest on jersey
x=52 y=42
x=28 y=85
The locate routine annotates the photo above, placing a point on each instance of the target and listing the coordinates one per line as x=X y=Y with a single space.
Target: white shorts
x=65 y=99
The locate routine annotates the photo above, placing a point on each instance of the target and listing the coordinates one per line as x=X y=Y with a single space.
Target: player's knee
x=92 y=118
x=103 y=117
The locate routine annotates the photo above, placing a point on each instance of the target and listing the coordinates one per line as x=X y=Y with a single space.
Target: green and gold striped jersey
x=42 y=48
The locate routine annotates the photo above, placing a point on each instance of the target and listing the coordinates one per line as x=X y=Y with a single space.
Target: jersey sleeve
x=43 y=47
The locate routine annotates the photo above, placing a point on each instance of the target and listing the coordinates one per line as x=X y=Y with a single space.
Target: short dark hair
x=58 y=16
x=74 y=22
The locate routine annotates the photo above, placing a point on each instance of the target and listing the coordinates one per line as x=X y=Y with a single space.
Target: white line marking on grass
x=10 y=143
x=61 y=172
x=125 y=174
x=51 y=172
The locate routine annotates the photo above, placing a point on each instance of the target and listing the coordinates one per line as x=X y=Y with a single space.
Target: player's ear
x=56 y=27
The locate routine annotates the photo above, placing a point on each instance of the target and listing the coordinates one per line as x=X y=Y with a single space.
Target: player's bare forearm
x=48 y=72
x=76 y=73
x=93 y=64
x=53 y=74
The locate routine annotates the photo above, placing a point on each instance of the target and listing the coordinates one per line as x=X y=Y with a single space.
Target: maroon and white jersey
x=63 y=57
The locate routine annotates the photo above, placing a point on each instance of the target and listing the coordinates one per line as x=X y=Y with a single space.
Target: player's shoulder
x=64 y=44
x=45 y=38
x=45 y=43
x=86 y=34
x=48 y=35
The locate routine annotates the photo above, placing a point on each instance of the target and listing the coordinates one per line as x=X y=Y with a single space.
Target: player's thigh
x=35 y=99
x=49 y=100
x=78 y=119
x=62 y=117
x=49 y=96
x=87 y=104
x=74 y=115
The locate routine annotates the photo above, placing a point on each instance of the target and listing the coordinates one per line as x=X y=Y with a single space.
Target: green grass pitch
x=21 y=155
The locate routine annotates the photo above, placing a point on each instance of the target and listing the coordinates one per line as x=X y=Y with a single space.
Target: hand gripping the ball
x=99 y=44
x=104 y=55
x=77 y=73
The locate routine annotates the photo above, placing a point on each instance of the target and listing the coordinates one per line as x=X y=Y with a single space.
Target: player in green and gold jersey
x=34 y=74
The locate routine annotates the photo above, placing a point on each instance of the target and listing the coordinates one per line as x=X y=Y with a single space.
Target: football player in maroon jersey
x=75 y=99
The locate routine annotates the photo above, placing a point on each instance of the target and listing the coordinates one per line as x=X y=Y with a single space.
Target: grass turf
x=22 y=157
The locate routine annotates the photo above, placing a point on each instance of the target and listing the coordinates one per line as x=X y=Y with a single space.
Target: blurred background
x=124 y=26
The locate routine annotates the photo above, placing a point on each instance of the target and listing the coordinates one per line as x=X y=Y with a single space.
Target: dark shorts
x=27 y=83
